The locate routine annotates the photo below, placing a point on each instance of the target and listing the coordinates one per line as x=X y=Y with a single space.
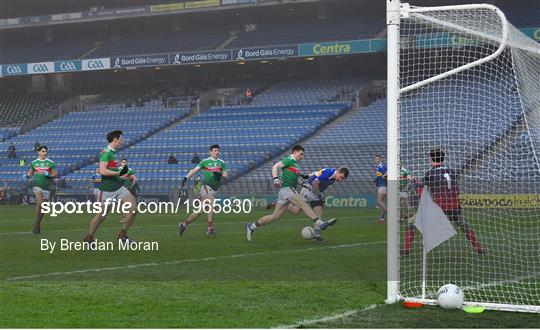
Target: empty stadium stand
x=17 y=109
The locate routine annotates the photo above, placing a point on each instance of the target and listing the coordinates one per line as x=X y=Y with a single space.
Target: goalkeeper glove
x=123 y=171
x=217 y=175
x=277 y=183
x=184 y=180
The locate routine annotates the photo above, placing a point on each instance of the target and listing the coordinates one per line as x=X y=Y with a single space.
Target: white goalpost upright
x=463 y=79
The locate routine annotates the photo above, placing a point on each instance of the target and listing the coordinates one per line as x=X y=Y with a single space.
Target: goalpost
x=464 y=79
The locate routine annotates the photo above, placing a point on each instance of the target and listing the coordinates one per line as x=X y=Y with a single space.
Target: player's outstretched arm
x=133 y=179
x=190 y=174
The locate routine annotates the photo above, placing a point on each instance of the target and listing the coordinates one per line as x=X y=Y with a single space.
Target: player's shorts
x=381 y=190
x=119 y=194
x=206 y=191
x=453 y=215
x=285 y=194
x=312 y=199
x=404 y=194
x=45 y=194
x=96 y=194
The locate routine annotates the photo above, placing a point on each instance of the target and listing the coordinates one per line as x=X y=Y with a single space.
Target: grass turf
x=195 y=281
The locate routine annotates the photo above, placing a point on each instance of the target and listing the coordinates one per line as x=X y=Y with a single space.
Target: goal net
x=469 y=83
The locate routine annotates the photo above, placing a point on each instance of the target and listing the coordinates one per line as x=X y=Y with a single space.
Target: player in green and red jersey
x=111 y=187
x=43 y=170
x=290 y=174
x=213 y=170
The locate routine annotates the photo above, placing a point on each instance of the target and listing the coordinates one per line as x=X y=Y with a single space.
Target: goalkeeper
x=313 y=189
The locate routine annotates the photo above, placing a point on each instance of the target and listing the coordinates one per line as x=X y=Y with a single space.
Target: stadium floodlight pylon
x=464 y=78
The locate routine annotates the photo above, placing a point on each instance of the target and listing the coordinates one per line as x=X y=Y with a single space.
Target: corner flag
x=432 y=222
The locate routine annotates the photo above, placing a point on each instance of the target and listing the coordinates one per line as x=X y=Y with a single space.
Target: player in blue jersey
x=316 y=184
x=94 y=184
x=380 y=184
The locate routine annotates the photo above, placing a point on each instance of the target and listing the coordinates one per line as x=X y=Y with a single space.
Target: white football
x=450 y=296
x=308 y=232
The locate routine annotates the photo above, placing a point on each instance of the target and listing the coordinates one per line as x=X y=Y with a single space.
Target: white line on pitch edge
x=334 y=317
x=174 y=262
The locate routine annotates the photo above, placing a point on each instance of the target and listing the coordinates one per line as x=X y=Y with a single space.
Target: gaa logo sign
x=40 y=67
x=14 y=69
x=67 y=66
x=96 y=64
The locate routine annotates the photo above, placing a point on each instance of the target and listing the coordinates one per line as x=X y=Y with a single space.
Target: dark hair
x=344 y=170
x=113 y=135
x=42 y=147
x=437 y=155
x=123 y=159
x=378 y=155
x=297 y=148
x=214 y=146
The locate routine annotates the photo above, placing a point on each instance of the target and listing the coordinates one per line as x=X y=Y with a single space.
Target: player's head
x=214 y=150
x=378 y=159
x=123 y=162
x=298 y=152
x=42 y=151
x=437 y=155
x=341 y=174
x=115 y=138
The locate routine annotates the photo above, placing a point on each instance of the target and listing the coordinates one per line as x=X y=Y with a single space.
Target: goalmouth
x=464 y=79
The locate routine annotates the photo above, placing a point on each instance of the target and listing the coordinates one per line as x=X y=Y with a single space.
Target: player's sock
x=253 y=226
x=471 y=237
x=89 y=238
x=409 y=238
x=318 y=223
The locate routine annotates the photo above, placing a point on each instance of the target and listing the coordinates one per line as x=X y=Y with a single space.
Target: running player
x=444 y=189
x=213 y=170
x=380 y=184
x=317 y=183
x=94 y=184
x=290 y=174
x=111 y=188
x=43 y=170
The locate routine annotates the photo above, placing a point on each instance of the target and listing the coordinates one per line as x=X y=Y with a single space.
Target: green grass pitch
x=279 y=279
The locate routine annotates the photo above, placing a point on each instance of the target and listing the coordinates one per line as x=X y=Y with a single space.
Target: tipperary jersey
x=323 y=177
x=96 y=180
x=380 y=171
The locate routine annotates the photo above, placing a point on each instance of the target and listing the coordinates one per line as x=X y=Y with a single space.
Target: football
x=450 y=296
x=308 y=232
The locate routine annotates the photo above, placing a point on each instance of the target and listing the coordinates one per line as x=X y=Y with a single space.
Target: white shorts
x=45 y=194
x=308 y=195
x=404 y=194
x=285 y=194
x=96 y=194
x=206 y=191
x=381 y=190
x=121 y=193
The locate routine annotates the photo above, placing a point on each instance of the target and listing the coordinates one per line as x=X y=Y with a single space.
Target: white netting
x=487 y=120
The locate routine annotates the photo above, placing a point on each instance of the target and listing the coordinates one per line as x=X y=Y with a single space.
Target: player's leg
x=211 y=232
x=38 y=192
x=293 y=209
x=202 y=195
x=381 y=195
x=98 y=218
x=318 y=223
x=457 y=217
x=409 y=238
x=126 y=198
x=318 y=211
x=276 y=215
